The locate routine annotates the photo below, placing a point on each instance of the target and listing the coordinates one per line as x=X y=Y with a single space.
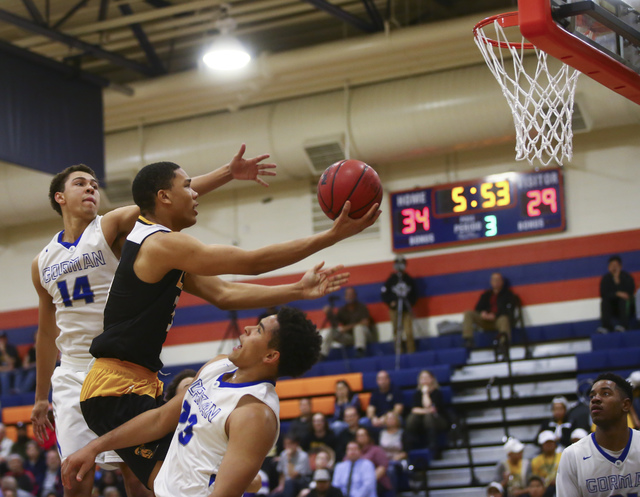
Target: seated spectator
x=111 y=492
x=9 y=363
x=300 y=427
x=617 y=289
x=110 y=479
x=323 y=486
x=536 y=488
x=494 y=489
x=179 y=384
x=428 y=415
x=20 y=445
x=9 y=487
x=26 y=480
x=352 y=418
x=25 y=380
x=35 y=462
x=52 y=481
x=379 y=458
x=5 y=444
x=401 y=285
x=559 y=424
x=294 y=469
x=514 y=472
x=634 y=379
x=321 y=460
x=321 y=435
x=545 y=465
x=354 y=326
x=493 y=312
x=394 y=444
x=344 y=398
x=578 y=434
x=355 y=476
x=384 y=398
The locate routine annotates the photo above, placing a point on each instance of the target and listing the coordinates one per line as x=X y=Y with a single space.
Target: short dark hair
x=149 y=180
x=615 y=258
x=623 y=385
x=536 y=478
x=297 y=340
x=58 y=181
x=172 y=387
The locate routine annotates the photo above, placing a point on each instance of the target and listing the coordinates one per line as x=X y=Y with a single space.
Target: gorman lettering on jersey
x=206 y=406
x=613 y=482
x=84 y=261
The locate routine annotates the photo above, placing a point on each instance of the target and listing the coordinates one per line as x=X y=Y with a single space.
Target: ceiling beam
x=104 y=9
x=144 y=42
x=343 y=15
x=94 y=50
x=159 y=4
x=34 y=12
x=70 y=13
x=374 y=14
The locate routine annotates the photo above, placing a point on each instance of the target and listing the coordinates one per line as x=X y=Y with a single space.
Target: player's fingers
x=268 y=165
x=261 y=182
x=318 y=267
x=260 y=158
x=266 y=173
x=240 y=153
x=372 y=212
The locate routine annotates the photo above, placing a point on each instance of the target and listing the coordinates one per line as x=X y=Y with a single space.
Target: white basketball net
x=541 y=103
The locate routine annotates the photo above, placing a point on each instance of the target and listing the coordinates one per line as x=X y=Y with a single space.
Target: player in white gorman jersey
x=607 y=462
x=72 y=276
x=228 y=419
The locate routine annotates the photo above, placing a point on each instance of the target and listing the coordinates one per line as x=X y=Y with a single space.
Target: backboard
x=600 y=38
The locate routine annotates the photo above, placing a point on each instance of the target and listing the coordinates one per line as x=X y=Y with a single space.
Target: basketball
x=351 y=180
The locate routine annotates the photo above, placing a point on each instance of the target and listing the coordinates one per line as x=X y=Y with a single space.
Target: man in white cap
x=513 y=473
x=560 y=424
x=606 y=463
x=634 y=379
x=545 y=465
x=323 y=488
x=495 y=490
x=578 y=434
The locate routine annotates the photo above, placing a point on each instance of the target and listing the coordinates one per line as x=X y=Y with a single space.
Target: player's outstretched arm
x=181 y=251
x=252 y=429
x=46 y=356
x=238 y=168
x=146 y=427
x=226 y=295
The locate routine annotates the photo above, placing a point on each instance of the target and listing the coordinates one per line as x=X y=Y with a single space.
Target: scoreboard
x=491 y=208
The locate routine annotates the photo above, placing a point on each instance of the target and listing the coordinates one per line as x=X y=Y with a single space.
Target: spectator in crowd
x=428 y=415
x=9 y=363
x=25 y=380
x=400 y=285
x=320 y=460
x=9 y=486
x=52 y=481
x=514 y=472
x=26 y=480
x=352 y=418
x=494 y=489
x=536 y=488
x=179 y=384
x=379 y=458
x=50 y=440
x=634 y=380
x=617 y=290
x=355 y=476
x=545 y=465
x=578 y=434
x=384 y=398
x=111 y=479
x=321 y=435
x=294 y=468
x=111 y=492
x=344 y=398
x=354 y=325
x=492 y=312
x=559 y=424
x=5 y=448
x=35 y=462
x=300 y=427
x=323 y=486
x=393 y=442
x=22 y=439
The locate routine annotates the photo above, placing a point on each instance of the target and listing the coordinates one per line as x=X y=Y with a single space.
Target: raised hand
x=345 y=226
x=318 y=282
x=251 y=169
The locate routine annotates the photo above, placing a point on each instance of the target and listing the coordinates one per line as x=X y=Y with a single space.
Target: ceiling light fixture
x=226 y=53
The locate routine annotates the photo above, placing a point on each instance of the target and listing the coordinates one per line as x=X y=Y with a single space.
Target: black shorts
x=115 y=392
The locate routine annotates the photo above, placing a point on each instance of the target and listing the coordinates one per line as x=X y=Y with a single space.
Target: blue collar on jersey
x=68 y=244
x=226 y=384
x=610 y=458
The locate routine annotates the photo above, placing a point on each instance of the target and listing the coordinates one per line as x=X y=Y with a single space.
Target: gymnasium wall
x=601 y=186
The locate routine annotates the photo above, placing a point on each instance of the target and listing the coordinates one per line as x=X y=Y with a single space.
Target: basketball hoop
x=541 y=102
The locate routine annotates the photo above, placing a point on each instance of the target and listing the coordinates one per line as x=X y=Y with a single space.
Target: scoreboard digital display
x=495 y=207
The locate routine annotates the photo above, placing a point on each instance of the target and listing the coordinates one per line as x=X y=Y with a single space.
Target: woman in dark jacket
x=428 y=415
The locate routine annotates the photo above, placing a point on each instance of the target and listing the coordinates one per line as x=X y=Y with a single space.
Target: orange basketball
x=351 y=180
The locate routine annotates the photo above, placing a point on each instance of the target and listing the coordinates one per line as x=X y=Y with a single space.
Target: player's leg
x=407 y=324
x=133 y=486
x=81 y=488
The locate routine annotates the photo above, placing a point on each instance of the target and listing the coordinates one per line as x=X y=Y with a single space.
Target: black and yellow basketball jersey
x=138 y=315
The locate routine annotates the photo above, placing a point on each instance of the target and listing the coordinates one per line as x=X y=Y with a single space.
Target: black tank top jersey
x=138 y=315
